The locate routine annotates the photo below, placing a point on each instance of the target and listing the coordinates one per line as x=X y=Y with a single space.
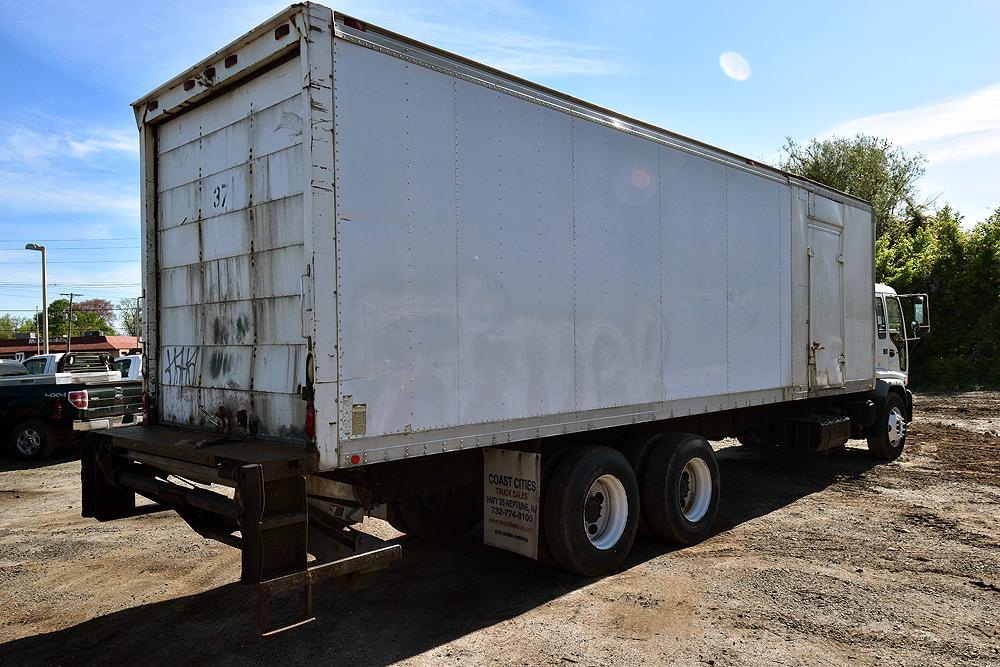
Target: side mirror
x=920 y=325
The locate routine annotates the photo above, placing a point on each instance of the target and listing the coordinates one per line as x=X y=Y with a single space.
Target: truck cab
x=892 y=333
x=43 y=364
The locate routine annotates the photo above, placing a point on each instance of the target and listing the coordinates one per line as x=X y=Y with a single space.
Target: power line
x=82 y=247
x=109 y=238
x=86 y=261
x=35 y=310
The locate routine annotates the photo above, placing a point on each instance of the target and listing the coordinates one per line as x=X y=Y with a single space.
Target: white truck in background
x=383 y=279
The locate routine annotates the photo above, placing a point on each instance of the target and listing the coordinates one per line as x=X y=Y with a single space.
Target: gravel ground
x=826 y=560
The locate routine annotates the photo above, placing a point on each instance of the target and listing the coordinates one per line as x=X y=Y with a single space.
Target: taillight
x=57 y=412
x=310 y=420
x=78 y=399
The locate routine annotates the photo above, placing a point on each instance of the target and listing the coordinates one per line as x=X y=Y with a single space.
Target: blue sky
x=922 y=74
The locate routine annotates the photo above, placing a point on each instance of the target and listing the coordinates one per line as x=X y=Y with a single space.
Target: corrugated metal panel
x=694 y=300
x=231 y=250
x=519 y=262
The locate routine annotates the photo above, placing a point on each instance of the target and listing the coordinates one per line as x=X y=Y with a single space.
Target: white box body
x=467 y=259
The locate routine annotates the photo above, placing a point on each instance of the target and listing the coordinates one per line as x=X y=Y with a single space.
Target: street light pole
x=45 y=295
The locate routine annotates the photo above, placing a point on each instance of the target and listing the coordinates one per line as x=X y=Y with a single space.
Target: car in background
x=84 y=393
x=10 y=367
x=130 y=366
x=43 y=364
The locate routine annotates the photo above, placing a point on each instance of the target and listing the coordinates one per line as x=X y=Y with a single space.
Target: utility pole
x=69 y=337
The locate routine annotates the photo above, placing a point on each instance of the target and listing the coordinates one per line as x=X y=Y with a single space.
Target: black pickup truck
x=39 y=412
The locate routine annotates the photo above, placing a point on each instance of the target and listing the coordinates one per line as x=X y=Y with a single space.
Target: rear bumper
x=107 y=422
x=267 y=517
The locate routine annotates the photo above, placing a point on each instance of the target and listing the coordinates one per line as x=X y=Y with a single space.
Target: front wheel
x=680 y=490
x=888 y=436
x=591 y=511
x=33 y=440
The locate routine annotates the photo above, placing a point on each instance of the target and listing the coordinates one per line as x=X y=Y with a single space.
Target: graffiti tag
x=180 y=365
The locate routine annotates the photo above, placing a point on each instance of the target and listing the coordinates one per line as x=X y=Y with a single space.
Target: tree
x=921 y=249
x=130 y=316
x=866 y=167
x=90 y=315
x=93 y=314
x=11 y=324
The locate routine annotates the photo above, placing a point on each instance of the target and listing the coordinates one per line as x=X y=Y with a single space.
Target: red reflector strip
x=230 y=60
x=355 y=459
x=282 y=31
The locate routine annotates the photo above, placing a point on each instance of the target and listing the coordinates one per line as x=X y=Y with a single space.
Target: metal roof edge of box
x=361 y=249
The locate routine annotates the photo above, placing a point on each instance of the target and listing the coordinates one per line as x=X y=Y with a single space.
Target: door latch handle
x=892 y=353
x=816 y=345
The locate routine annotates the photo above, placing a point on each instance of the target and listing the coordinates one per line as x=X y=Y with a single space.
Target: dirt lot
x=827 y=560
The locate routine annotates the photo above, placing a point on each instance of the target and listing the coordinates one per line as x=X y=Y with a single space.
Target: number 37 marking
x=220 y=196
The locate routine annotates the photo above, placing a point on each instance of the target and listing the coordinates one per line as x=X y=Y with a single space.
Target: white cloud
x=960 y=138
x=65 y=169
x=490 y=32
x=735 y=66
x=948 y=131
x=141 y=49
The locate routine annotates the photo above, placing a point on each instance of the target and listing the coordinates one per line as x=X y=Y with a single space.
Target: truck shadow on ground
x=9 y=461
x=435 y=595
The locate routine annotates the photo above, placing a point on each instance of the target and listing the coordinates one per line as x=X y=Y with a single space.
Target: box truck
x=381 y=279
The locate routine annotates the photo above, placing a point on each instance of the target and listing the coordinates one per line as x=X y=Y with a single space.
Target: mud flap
x=101 y=500
x=511 y=500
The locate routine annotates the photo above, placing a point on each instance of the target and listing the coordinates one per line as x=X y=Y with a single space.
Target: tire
x=442 y=515
x=395 y=518
x=590 y=513
x=887 y=436
x=680 y=490
x=637 y=454
x=32 y=440
x=757 y=439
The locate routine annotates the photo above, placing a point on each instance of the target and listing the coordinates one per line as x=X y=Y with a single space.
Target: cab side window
x=35 y=366
x=880 y=317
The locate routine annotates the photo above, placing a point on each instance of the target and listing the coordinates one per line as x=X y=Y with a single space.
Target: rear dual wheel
x=593 y=501
x=590 y=514
x=680 y=489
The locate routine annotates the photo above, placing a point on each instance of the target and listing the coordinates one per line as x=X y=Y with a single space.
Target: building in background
x=26 y=345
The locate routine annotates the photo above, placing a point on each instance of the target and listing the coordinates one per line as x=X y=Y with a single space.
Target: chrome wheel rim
x=897 y=427
x=605 y=512
x=695 y=490
x=29 y=441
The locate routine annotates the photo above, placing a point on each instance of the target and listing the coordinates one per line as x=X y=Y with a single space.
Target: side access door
x=826 y=293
